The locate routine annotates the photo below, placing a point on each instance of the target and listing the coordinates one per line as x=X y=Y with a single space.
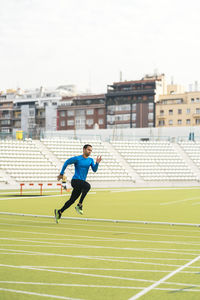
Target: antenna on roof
x=120 y=76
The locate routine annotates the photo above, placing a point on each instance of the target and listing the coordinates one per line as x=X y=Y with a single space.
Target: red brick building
x=82 y=112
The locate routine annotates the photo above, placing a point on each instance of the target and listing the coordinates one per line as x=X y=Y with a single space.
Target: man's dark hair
x=87 y=145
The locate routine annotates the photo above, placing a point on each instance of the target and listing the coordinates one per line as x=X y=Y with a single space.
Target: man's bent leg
x=75 y=194
x=85 y=189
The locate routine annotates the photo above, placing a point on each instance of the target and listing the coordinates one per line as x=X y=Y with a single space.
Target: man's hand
x=98 y=160
x=59 y=177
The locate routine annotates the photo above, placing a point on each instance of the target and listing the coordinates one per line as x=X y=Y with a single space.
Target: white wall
x=166 y=133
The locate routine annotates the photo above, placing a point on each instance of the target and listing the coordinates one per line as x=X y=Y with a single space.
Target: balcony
x=162 y=116
x=113 y=93
x=6 y=117
x=40 y=117
x=196 y=115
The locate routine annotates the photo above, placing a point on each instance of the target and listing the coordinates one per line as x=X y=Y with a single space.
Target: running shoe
x=57 y=215
x=79 y=209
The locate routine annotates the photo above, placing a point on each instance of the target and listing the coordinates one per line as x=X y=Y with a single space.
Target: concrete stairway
x=187 y=159
x=50 y=155
x=8 y=179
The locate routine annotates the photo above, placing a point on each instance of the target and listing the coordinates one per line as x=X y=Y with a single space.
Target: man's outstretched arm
x=95 y=166
x=69 y=161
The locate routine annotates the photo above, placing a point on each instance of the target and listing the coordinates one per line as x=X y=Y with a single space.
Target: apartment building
x=131 y=104
x=82 y=112
x=31 y=111
x=178 y=108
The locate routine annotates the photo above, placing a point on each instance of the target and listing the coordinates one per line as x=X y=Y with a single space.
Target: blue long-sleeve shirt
x=82 y=165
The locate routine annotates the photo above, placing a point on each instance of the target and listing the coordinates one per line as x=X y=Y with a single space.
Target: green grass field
x=78 y=259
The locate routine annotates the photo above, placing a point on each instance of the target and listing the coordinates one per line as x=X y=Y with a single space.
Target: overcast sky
x=88 y=42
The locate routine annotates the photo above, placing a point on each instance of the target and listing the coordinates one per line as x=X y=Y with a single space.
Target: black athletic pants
x=80 y=187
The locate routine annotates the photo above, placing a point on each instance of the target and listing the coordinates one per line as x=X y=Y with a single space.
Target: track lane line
x=162 y=280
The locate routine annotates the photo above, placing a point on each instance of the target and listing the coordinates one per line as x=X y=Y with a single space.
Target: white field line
x=101 y=258
x=106 y=220
x=110 y=269
x=49 y=196
x=39 y=196
x=92 y=225
x=157 y=250
x=113 y=259
x=154 y=189
x=137 y=249
x=95 y=286
x=77 y=273
x=95 y=275
x=162 y=280
x=108 y=231
x=37 y=294
x=129 y=240
x=101 y=247
x=128 y=257
x=179 y=201
x=161 y=250
x=99 y=225
x=98 y=247
x=196 y=203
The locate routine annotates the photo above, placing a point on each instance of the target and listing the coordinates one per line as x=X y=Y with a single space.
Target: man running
x=78 y=182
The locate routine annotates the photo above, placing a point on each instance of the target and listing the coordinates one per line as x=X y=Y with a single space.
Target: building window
x=31 y=112
x=197 y=122
x=161 y=123
x=111 y=119
x=90 y=111
x=6 y=130
x=170 y=122
x=101 y=111
x=188 y=111
x=70 y=122
x=5 y=122
x=150 y=124
x=62 y=123
x=134 y=106
x=179 y=111
x=123 y=107
x=62 y=113
x=150 y=105
x=134 y=116
x=70 y=113
x=89 y=122
x=192 y=100
x=188 y=121
x=197 y=110
x=179 y=122
x=162 y=112
x=100 y=121
x=197 y=100
x=170 y=111
x=150 y=116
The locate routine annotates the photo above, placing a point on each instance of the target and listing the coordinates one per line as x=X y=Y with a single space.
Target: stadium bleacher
x=155 y=160
x=24 y=162
x=192 y=149
x=152 y=161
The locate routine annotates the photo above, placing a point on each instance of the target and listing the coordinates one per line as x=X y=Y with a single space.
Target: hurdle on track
x=41 y=187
